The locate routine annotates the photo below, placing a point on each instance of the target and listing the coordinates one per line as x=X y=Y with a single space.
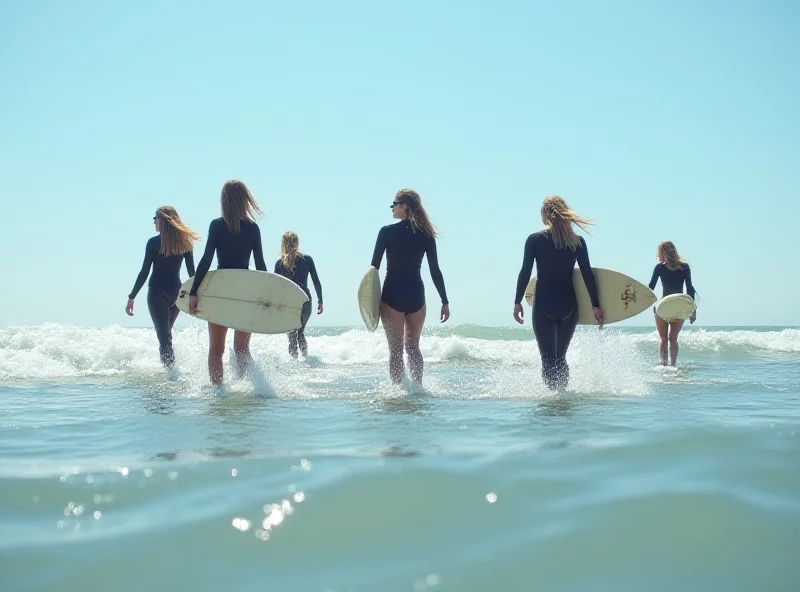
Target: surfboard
x=621 y=297
x=369 y=298
x=247 y=300
x=675 y=307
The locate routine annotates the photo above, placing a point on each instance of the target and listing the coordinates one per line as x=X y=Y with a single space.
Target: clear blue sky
x=660 y=120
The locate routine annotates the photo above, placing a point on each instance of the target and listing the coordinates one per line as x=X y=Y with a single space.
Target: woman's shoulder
x=217 y=223
x=250 y=224
x=153 y=243
x=542 y=234
x=389 y=228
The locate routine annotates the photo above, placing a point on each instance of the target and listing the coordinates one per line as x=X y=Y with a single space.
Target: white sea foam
x=349 y=360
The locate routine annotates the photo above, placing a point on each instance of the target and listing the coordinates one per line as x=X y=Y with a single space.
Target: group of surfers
x=235 y=237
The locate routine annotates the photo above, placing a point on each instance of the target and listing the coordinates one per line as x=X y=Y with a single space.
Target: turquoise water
x=319 y=475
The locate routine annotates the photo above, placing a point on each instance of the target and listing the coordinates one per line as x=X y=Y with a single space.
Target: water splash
x=352 y=362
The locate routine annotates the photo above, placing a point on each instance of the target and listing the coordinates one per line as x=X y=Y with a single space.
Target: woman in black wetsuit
x=555 y=250
x=296 y=266
x=233 y=237
x=673 y=272
x=165 y=252
x=403 y=296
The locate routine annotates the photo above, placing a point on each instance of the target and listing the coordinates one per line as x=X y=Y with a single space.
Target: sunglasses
x=395 y=203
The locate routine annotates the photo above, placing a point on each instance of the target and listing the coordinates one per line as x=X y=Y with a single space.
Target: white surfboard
x=621 y=297
x=247 y=300
x=369 y=298
x=675 y=307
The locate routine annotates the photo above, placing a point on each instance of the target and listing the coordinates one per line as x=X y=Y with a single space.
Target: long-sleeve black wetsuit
x=403 y=289
x=165 y=282
x=233 y=250
x=303 y=267
x=555 y=305
x=672 y=280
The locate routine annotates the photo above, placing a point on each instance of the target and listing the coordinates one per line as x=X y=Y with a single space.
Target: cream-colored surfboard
x=247 y=300
x=675 y=307
x=621 y=297
x=369 y=298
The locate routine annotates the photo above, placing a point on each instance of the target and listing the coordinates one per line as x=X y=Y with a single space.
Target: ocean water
x=318 y=475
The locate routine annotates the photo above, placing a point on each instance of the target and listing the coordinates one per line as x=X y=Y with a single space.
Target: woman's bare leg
x=662 y=326
x=216 y=348
x=413 y=331
x=674 y=328
x=394 y=326
x=241 y=349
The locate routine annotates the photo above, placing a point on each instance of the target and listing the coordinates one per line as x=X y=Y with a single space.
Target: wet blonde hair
x=176 y=237
x=290 y=249
x=559 y=219
x=237 y=203
x=669 y=256
x=415 y=212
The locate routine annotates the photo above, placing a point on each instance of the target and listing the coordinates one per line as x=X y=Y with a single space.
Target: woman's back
x=404 y=247
x=167 y=268
x=555 y=293
x=233 y=250
x=303 y=267
x=672 y=270
x=672 y=280
x=554 y=266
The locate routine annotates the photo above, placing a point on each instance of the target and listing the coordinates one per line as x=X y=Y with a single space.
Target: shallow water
x=319 y=475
